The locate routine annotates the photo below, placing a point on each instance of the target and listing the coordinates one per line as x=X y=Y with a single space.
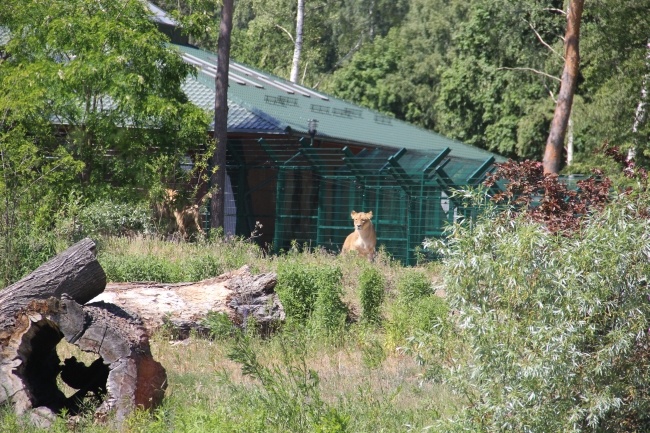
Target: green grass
x=296 y=380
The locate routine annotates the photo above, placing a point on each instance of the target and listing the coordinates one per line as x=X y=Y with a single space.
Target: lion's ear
x=353 y=214
x=369 y=214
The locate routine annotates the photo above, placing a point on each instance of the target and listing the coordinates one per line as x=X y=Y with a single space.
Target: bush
x=557 y=326
x=297 y=289
x=108 y=218
x=424 y=315
x=371 y=294
x=413 y=284
x=330 y=313
x=302 y=288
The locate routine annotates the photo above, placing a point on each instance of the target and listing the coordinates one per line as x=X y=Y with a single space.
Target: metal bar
x=277 y=85
x=430 y=167
x=279 y=198
x=245 y=80
x=400 y=175
x=323 y=97
x=480 y=172
x=397 y=156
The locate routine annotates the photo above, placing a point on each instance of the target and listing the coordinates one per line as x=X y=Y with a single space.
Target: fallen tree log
x=75 y=272
x=67 y=298
x=45 y=307
x=245 y=298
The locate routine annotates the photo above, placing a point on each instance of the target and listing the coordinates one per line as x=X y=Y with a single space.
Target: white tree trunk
x=297 y=50
x=569 y=143
x=640 y=112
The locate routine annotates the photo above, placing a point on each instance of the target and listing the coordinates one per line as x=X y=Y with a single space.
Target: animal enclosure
x=303 y=192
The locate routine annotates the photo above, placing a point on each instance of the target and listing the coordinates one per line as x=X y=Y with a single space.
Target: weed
x=371 y=293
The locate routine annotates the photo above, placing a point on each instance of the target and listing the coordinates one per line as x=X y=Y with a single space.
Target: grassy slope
x=364 y=377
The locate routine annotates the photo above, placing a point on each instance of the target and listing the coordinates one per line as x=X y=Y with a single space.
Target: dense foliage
x=557 y=325
x=485 y=72
x=545 y=322
x=88 y=89
x=371 y=293
x=551 y=299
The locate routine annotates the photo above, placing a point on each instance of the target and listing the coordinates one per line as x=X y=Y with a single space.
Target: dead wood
x=45 y=307
x=75 y=272
x=182 y=307
x=65 y=298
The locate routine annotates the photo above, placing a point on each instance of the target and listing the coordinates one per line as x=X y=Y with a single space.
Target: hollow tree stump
x=40 y=310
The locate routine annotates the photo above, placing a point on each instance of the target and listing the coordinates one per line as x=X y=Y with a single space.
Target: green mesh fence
x=304 y=194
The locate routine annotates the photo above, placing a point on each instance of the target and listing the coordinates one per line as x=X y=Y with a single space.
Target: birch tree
x=297 y=50
x=640 y=112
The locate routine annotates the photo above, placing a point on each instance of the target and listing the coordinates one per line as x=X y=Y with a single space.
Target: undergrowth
x=325 y=371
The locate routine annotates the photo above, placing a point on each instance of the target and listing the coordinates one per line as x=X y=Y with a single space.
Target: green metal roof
x=261 y=102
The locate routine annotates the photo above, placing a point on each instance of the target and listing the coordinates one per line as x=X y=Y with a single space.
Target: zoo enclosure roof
x=260 y=102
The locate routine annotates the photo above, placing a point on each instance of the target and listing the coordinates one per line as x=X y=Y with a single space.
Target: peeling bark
x=182 y=307
x=65 y=298
x=123 y=377
x=555 y=142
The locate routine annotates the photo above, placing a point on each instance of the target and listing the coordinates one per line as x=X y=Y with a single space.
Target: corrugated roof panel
x=288 y=105
x=201 y=93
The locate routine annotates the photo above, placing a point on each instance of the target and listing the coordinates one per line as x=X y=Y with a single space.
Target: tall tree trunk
x=640 y=112
x=297 y=50
x=555 y=142
x=218 y=177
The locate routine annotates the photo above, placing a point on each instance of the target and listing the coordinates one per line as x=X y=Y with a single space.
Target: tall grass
x=296 y=380
x=152 y=259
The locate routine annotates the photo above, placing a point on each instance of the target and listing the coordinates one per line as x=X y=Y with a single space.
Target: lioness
x=185 y=215
x=363 y=239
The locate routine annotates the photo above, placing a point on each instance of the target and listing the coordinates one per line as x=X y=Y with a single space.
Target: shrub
x=302 y=288
x=297 y=290
x=413 y=284
x=557 y=326
x=423 y=315
x=371 y=294
x=330 y=313
x=545 y=199
x=108 y=218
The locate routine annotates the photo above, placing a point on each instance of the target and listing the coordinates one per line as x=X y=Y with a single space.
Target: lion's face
x=361 y=220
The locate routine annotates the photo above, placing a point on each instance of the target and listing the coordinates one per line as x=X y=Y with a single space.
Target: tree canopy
x=486 y=72
x=99 y=77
